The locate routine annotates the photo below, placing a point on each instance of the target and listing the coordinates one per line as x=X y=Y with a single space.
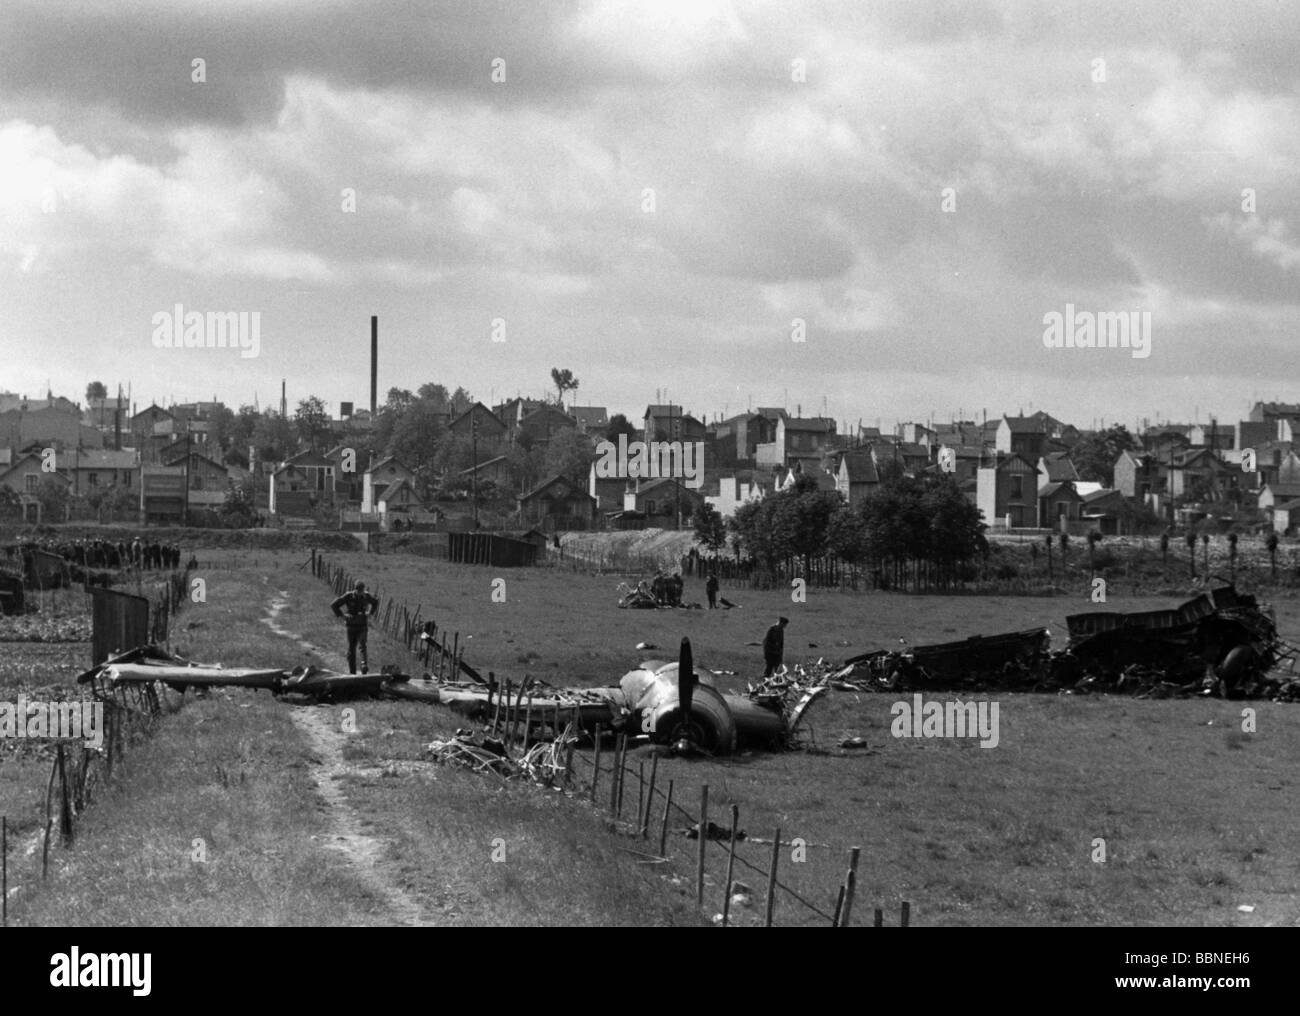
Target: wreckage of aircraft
x=669 y=702
x=1220 y=641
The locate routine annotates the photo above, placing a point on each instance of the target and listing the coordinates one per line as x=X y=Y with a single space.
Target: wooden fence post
x=595 y=772
x=850 y=887
x=65 y=813
x=771 y=879
x=879 y=921
x=906 y=915
x=4 y=871
x=731 y=865
x=704 y=840
x=640 y=793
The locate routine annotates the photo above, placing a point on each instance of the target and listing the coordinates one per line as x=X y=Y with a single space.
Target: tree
x=710 y=529
x=52 y=493
x=1094 y=457
x=221 y=426
x=460 y=401
x=564 y=381
x=95 y=391
x=238 y=510
x=243 y=427
x=569 y=453
x=311 y=422
x=416 y=436
x=619 y=424
x=272 y=437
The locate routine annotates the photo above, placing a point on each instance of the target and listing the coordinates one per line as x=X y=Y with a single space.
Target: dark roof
x=1026 y=424
x=574 y=488
x=1280 y=408
x=590 y=416
x=1052 y=489
x=1059 y=467
x=659 y=481
x=817 y=424
x=861 y=467
x=477 y=405
x=1099 y=495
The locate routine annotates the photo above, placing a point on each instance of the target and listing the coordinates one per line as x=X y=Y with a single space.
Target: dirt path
x=363 y=851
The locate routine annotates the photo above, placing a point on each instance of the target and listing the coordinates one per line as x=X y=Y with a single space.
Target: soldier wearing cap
x=354 y=607
x=774 y=646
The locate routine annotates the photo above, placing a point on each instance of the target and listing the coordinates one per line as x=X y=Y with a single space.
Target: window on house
x=31 y=480
x=649 y=507
x=92 y=479
x=1017 y=487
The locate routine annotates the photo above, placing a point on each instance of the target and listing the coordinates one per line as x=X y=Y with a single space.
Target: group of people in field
x=100 y=553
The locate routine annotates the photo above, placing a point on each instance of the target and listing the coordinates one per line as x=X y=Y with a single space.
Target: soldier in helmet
x=354 y=607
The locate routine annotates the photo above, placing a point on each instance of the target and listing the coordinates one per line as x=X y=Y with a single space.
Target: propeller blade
x=685 y=679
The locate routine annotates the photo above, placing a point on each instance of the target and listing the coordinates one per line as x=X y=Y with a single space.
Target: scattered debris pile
x=546 y=762
x=1220 y=642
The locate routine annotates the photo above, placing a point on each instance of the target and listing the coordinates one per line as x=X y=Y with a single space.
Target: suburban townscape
x=438 y=460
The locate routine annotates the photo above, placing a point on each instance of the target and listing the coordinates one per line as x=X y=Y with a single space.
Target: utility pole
x=186 y=520
x=473 y=432
x=677 y=487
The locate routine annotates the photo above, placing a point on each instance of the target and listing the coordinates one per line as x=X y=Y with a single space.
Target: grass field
x=1195 y=814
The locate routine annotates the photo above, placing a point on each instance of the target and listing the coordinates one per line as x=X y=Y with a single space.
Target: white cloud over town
x=653 y=193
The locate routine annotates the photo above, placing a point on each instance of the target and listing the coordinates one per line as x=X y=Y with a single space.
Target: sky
x=868 y=210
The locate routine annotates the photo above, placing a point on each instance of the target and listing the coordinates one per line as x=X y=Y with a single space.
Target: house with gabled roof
x=491 y=429
x=1057 y=501
x=660 y=499
x=301 y=483
x=592 y=420
x=1138 y=474
x=1056 y=467
x=1198 y=471
x=1007 y=492
x=855 y=474
x=556 y=503
x=539 y=426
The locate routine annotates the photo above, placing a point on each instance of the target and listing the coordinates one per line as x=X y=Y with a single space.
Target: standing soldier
x=774 y=646
x=358 y=604
x=711 y=588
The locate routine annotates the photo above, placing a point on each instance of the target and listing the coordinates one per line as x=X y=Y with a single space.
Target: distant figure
x=675 y=588
x=774 y=646
x=192 y=563
x=358 y=605
x=711 y=588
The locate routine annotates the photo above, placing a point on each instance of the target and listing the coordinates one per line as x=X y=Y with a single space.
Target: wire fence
x=79 y=771
x=441 y=656
x=515 y=725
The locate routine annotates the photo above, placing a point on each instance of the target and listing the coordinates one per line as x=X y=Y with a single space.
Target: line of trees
x=918 y=531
